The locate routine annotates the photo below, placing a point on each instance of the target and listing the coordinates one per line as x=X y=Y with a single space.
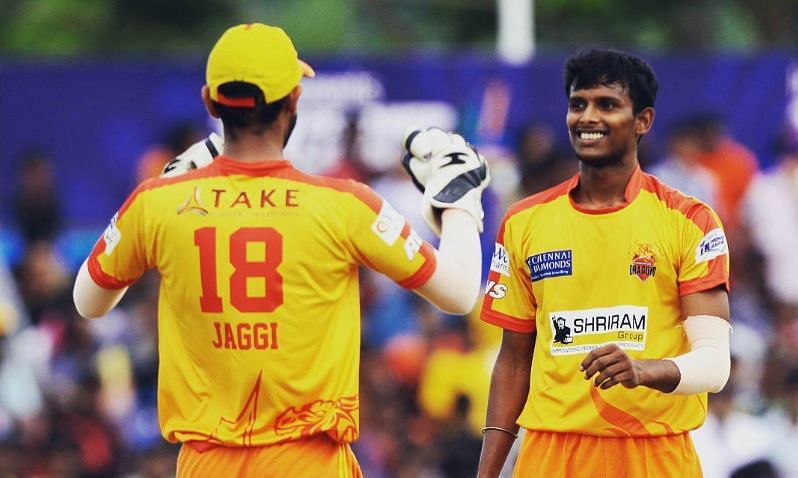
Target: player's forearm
x=509 y=388
x=461 y=249
x=91 y=300
x=662 y=375
x=454 y=286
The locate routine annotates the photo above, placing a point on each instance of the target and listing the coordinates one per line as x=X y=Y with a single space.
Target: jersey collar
x=230 y=165
x=633 y=188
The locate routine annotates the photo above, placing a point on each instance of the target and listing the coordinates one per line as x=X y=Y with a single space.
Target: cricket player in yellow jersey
x=259 y=323
x=612 y=291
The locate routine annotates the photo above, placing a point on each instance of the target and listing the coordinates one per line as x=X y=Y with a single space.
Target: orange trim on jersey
x=493 y=276
x=699 y=214
x=424 y=273
x=508 y=322
x=260 y=168
x=367 y=196
x=704 y=283
x=674 y=199
x=633 y=187
x=631 y=192
x=374 y=202
x=543 y=197
x=359 y=190
x=495 y=317
x=99 y=276
x=615 y=416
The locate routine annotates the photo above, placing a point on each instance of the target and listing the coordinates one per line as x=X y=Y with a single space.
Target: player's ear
x=208 y=102
x=293 y=99
x=643 y=121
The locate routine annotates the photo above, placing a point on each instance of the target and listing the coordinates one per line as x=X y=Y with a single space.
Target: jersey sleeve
x=509 y=301
x=120 y=256
x=382 y=239
x=704 y=253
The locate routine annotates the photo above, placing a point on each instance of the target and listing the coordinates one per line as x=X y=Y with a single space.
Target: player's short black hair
x=594 y=67
x=255 y=119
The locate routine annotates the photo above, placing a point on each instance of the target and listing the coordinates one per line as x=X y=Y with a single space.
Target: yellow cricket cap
x=258 y=54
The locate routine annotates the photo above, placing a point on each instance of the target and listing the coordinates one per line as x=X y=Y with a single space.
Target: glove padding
x=198 y=155
x=450 y=173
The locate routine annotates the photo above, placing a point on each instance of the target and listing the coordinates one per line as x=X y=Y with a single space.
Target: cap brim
x=307 y=71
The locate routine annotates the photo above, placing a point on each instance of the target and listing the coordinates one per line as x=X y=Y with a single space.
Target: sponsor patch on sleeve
x=413 y=244
x=112 y=236
x=712 y=245
x=388 y=224
x=500 y=262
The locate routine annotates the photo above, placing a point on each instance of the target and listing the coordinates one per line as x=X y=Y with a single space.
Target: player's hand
x=611 y=366
x=449 y=171
x=198 y=155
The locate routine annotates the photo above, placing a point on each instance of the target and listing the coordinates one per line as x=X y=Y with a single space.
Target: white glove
x=198 y=155
x=449 y=171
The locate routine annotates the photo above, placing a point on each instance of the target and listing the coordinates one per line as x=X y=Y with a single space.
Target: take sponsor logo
x=193 y=204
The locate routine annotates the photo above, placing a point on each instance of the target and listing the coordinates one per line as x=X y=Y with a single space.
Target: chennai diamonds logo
x=550 y=264
x=643 y=262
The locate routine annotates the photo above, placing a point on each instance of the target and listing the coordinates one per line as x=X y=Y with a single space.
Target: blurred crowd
x=78 y=397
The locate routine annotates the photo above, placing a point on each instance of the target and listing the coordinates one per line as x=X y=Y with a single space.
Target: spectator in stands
x=681 y=167
x=783 y=423
x=351 y=164
x=731 y=438
x=771 y=215
x=733 y=164
x=37 y=209
x=541 y=162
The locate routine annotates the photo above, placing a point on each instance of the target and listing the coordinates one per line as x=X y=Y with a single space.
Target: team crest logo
x=643 y=262
x=193 y=204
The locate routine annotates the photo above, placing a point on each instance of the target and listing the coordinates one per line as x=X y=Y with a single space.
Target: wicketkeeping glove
x=449 y=171
x=198 y=155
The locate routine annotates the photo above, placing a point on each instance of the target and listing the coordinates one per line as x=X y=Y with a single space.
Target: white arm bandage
x=455 y=285
x=706 y=367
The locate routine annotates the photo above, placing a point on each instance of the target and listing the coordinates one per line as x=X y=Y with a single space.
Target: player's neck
x=603 y=187
x=250 y=148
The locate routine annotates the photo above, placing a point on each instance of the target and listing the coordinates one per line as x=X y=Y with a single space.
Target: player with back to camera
x=258 y=316
x=637 y=271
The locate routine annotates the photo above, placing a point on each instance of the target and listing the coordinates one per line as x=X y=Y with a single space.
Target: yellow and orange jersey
x=583 y=278
x=259 y=313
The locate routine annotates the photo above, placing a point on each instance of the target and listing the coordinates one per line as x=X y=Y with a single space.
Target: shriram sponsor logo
x=580 y=331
